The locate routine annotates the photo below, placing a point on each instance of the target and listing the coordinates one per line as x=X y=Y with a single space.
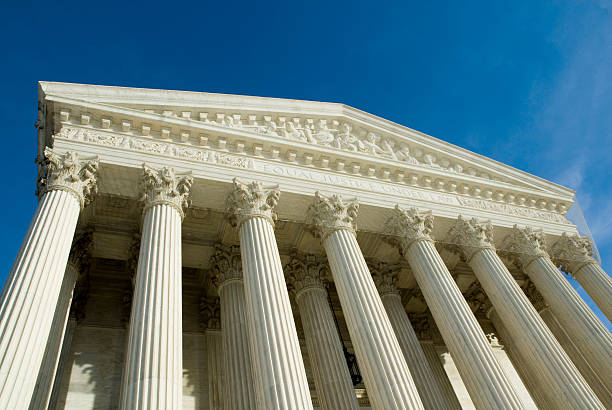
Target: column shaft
x=215 y=368
x=48 y=368
x=440 y=374
x=280 y=376
x=576 y=356
x=424 y=379
x=483 y=377
x=561 y=382
x=332 y=379
x=61 y=366
x=381 y=361
x=154 y=362
x=598 y=285
x=578 y=320
x=30 y=294
x=239 y=391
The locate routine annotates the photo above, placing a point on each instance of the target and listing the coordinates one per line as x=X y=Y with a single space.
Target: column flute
x=32 y=288
x=574 y=255
x=563 y=383
x=470 y=349
x=280 y=376
x=527 y=247
x=239 y=386
x=380 y=358
x=385 y=278
x=153 y=377
x=332 y=379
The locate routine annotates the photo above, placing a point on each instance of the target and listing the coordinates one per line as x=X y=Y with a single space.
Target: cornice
x=125 y=97
x=212 y=131
x=237 y=156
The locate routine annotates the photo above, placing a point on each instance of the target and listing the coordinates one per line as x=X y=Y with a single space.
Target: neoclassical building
x=206 y=251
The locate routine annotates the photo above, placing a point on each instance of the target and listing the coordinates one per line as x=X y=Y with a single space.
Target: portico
x=263 y=214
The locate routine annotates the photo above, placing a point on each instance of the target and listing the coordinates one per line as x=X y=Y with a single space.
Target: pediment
x=314 y=134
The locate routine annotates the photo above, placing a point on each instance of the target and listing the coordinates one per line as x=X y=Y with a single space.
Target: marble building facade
x=207 y=251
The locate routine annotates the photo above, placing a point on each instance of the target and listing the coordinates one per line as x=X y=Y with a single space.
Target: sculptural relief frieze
x=338 y=134
x=282 y=168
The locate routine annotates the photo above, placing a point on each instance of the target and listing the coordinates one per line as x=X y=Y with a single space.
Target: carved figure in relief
x=323 y=135
x=403 y=154
x=270 y=128
x=344 y=139
x=293 y=133
x=430 y=160
x=370 y=145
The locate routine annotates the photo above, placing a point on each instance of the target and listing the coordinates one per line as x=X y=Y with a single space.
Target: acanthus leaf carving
x=165 y=186
x=304 y=272
x=210 y=310
x=252 y=200
x=331 y=213
x=406 y=226
x=226 y=265
x=524 y=245
x=384 y=276
x=68 y=172
x=468 y=236
x=572 y=252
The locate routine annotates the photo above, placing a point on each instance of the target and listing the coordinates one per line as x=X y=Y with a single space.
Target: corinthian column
x=280 y=377
x=385 y=278
x=528 y=249
x=561 y=381
x=211 y=314
x=239 y=390
x=154 y=362
x=33 y=286
x=482 y=374
x=382 y=364
x=48 y=369
x=573 y=352
x=574 y=255
x=332 y=379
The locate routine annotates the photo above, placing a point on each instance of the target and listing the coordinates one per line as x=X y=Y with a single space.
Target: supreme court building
x=207 y=251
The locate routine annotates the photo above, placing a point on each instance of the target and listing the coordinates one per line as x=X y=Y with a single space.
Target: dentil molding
x=278 y=165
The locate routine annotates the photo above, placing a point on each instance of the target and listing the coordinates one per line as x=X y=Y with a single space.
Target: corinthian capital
x=305 y=271
x=331 y=213
x=226 y=265
x=250 y=200
x=406 y=226
x=164 y=186
x=210 y=309
x=68 y=172
x=385 y=277
x=467 y=237
x=81 y=250
x=572 y=252
x=525 y=245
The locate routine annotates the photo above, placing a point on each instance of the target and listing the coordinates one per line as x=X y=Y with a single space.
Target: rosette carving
x=572 y=252
x=467 y=237
x=251 y=200
x=385 y=276
x=406 y=226
x=305 y=271
x=226 y=264
x=165 y=186
x=210 y=310
x=525 y=245
x=331 y=213
x=68 y=172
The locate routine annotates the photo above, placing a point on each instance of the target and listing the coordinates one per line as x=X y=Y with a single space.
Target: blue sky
x=526 y=83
